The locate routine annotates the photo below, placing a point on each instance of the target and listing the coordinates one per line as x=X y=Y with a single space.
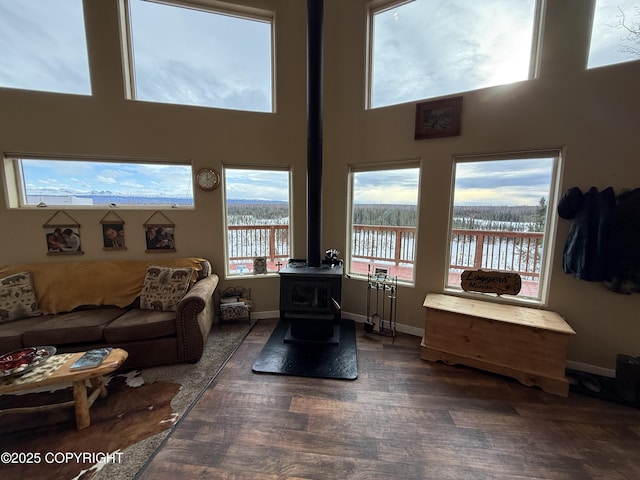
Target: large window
x=429 y=48
x=384 y=212
x=54 y=182
x=43 y=46
x=191 y=55
x=257 y=218
x=615 y=35
x=502 y=219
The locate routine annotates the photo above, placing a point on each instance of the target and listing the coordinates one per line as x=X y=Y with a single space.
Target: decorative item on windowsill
x=260 y=265
x=491 y=281
x=331 y=257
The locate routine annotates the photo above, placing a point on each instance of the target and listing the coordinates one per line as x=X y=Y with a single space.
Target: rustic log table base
x=83 y=396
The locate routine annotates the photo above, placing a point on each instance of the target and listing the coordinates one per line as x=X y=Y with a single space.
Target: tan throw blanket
x=61 y=287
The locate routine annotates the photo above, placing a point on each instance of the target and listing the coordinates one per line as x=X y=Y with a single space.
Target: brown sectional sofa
x=86 y=305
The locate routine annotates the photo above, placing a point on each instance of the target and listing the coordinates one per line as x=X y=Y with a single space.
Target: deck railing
x=248 y=241
x=470 y=249
x=386 y=244
x=519 y=252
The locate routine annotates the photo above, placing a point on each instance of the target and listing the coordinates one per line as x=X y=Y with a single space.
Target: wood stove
x=310 y=299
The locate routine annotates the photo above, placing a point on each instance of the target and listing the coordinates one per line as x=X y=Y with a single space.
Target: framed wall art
x=112 y=232
x=159 y=233
x=438 y=118
x=62 y=234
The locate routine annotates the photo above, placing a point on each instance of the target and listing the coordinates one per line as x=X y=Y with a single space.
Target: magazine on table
x=91 y=359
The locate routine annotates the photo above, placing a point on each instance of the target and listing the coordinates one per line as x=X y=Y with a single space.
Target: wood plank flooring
x=403 y=418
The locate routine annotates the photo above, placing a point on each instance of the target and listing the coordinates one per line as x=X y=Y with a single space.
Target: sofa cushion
x=75 y=327
x=17 y=298
x=164 y=287
x=11 y=333
x=138 y=324
x=116 y=282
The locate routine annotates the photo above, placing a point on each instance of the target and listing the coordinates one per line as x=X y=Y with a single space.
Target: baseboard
x=264 y=315
x=585 y=367
x=419 y=332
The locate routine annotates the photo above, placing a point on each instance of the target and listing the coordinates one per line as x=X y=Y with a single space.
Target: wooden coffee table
x=55 y=371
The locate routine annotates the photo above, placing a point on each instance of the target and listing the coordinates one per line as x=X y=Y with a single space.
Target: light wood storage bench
x=524 y=343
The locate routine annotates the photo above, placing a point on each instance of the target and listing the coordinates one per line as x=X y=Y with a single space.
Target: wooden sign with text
x=489 y=281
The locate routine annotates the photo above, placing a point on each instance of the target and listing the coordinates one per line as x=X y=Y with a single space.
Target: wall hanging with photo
x=112 y=232
x=159 y=235
x=62 y=234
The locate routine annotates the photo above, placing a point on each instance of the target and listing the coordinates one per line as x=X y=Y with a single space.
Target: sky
x=42 y=47
x=243 y=184
x=503 y=182
x=201 y=59
x=429 y=48
x=398 y=187
x=63 y=177
x=609 y=38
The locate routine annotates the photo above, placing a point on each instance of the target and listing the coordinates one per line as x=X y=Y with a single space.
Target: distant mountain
x=137 y=200
x=102 y=199
x=255 y=201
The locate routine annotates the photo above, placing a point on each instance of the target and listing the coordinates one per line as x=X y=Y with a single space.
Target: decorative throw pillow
x=164 y=287
x=17 y=298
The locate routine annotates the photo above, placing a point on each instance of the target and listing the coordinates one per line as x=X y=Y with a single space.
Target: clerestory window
x=43 y=46
x=202 y=54
x=429 y=48
x=615 y=34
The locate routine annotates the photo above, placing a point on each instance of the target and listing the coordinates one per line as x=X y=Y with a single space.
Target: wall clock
x=207 y=179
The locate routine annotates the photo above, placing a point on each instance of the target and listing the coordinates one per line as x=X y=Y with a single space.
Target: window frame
x=217 y=7
x=372 y=167
x=224 y=183
x=378 y=6
x=549 y=237
x=14 y=181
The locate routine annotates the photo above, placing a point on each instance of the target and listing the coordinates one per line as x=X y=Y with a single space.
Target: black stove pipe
x=314 y=131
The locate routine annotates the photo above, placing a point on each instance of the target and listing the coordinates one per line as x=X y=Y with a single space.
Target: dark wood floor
x=403 y=418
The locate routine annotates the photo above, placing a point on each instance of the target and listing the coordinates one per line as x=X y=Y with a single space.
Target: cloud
x=43 y=46
x=426 y=49
x=257 y=184
x=185 y=56
x=120 y=178
x=399 y=187
x=503 y=182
